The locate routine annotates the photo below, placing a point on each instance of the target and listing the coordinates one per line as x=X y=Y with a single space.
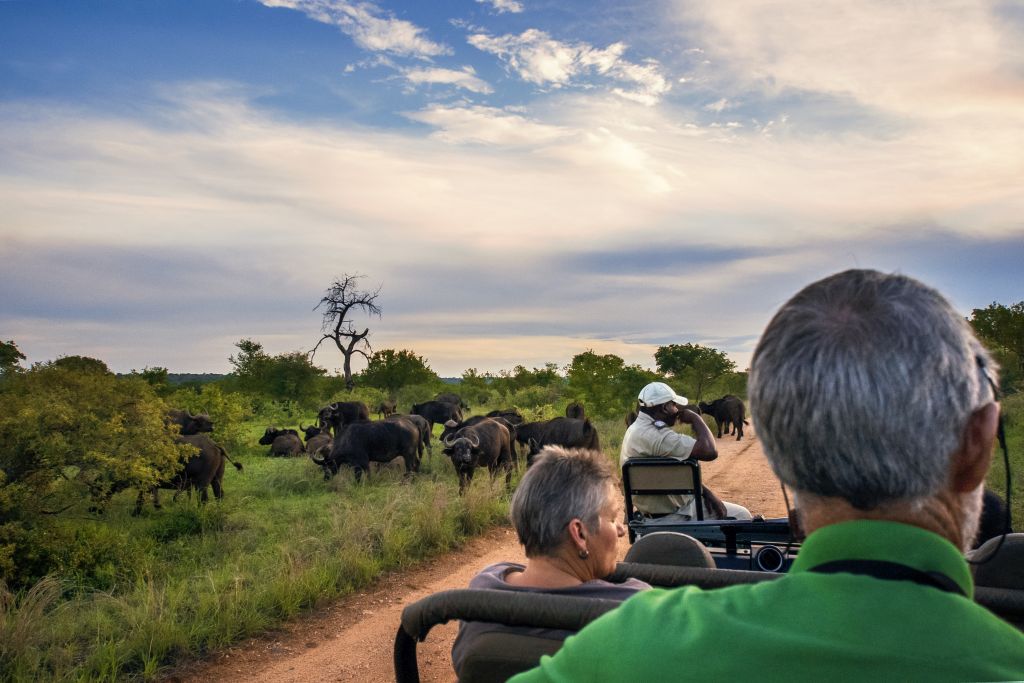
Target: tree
x=1002 y=326
x=250 y=365
x=604 y=383
x=10 y=357
x=342 y=299
x=692 y=363
x=284 y=377
x=391 y=370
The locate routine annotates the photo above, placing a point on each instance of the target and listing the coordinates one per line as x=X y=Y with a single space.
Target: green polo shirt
x=805 y=626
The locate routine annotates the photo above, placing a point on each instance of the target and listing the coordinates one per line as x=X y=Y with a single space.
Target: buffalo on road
x=726 y=410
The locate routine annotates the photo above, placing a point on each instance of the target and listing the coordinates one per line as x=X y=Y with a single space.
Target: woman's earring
x=584 y=554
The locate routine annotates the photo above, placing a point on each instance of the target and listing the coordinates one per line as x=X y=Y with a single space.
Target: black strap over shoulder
x=891 y=571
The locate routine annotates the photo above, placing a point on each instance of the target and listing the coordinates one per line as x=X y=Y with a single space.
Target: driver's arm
x=705 y=448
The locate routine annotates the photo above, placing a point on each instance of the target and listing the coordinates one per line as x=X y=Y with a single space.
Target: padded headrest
x=671 y=548
x=1006 y=568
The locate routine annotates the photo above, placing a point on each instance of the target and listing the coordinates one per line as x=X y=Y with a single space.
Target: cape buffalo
x=385 y=409
x=726 y=410
x=205 y=468
x=339 y=414
x=453 y=399
x=190 y=424
x=575 y=410
x=511 y=415
x=484 y=444
x=568 y=432
x=362 y=442
x=437 y=412
x=282 y=441
x=422 y=426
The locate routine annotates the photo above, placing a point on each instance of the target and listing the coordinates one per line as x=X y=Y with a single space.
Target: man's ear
x=971 y=461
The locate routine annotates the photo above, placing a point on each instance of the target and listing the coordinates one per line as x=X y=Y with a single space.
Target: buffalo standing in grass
x=190 y=424
x=205 y=468
x=340 y=414
x=437 y=412
x=454 y=399
x=484 y=444
x=422 y=426
x=575 y=411
x=567 y=432
x=726 y=410
x=363 y=442
x=385 y=409
x=282 y=442
x=510 y=415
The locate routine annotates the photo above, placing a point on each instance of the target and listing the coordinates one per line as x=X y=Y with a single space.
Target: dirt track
x=352 y=639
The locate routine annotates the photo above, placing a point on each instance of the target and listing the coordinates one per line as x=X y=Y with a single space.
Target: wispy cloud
x=474 y=123
x=465 y=78
x=371 y=27
x=538 y=58
x=502 y=6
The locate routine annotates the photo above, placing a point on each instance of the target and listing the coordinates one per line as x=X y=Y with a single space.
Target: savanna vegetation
x=90 y=592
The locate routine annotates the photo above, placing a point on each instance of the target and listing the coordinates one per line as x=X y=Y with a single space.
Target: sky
x=523 y=179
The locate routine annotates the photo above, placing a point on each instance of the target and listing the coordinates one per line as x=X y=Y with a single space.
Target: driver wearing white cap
x=651 y=436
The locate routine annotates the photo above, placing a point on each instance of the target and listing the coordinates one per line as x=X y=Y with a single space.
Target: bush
x=73 y=435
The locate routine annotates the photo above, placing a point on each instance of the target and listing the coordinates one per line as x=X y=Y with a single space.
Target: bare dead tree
x=342 y=299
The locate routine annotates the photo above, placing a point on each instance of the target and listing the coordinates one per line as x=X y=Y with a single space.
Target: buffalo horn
x=474 y=442
x=450 y=440
x=317 y=456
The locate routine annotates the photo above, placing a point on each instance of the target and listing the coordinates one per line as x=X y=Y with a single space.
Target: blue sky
x=525 y=180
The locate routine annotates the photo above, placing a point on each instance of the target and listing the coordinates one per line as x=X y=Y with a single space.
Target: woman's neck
x=545 y=572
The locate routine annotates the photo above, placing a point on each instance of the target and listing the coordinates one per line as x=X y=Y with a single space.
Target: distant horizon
x=523 y=180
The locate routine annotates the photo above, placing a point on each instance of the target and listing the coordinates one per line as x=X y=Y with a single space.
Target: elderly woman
x=567 y=512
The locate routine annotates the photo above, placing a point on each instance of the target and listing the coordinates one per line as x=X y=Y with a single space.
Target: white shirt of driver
x=648 y=438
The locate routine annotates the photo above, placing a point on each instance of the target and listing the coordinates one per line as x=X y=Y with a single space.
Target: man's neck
x=942 y=514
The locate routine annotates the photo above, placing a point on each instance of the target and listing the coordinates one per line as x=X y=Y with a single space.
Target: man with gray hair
x=872 y=399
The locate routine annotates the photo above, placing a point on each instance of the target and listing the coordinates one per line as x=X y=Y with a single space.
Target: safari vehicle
x=666 y=552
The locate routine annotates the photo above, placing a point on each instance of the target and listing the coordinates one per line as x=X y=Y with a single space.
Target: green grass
x=185 y=580
x=1013 y=422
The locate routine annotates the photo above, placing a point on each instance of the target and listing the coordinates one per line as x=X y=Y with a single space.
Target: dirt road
x=352 y=639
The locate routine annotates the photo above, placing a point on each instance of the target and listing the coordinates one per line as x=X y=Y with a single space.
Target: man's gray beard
x=970 y=510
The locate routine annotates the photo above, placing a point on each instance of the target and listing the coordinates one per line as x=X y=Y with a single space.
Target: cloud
x=581 y=217
x=465 y=78
x=933 y=61
x=538 y=58
x=502 y=6
x=369 y=26
x=489 y=125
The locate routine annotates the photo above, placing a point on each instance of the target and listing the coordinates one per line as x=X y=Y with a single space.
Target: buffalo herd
x=344 y=435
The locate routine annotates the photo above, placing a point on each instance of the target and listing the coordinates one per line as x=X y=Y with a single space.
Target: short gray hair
x=861 y=387
x=561 y=484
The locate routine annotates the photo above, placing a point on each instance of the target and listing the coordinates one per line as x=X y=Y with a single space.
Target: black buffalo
x=422 y=426
x=510 y=415
x=530 y=430
x=575 y=411
x=205 y=468
x=567 y=432
x=385 y=409
x=311 y=431
x=437 y=412
x=484 y=444
x=452 y=398
x=324 y=440
x=190 y=424
x=363 y=442
x=340 y=414
x=282 y=441
x=726 y=410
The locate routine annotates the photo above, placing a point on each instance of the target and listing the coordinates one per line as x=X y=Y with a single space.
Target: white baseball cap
x=656 y=393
